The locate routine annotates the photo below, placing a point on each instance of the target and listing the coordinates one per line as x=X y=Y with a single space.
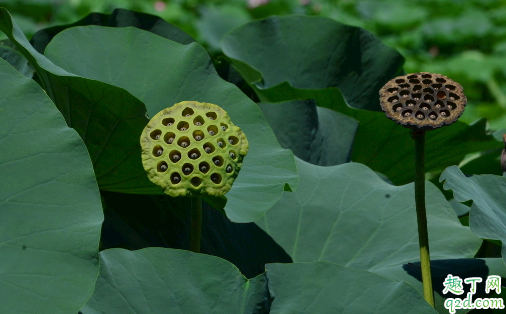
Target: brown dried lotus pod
x=423 y=101
x=193 y=148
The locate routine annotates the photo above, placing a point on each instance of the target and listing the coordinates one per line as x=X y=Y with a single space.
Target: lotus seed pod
x=185 y=150
x=423 y=101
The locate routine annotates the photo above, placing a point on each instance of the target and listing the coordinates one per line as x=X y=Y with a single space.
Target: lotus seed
x=416 y=98
x=231 y=141
x=171 y=140
x=163 y=167
x=198 y=123
x=420 y=116
x=176 y=157
x=217 y=162
x=198 y=137
x=183 y=129
x=194 y=156
x=187 y=115
x=438 y=106
x=232 y=155
x=184 y=144
x=407 y=114
x=432 y=116
x=211 y=118
x=410 y=105
x=208 y=149
x=176 y=178
x=220 y=144
x=203 y=168
x=169 y=124
x=229 y=168
x=395 y=100
x=215 y=179
x=187 y=170
x=398 y=109
x=157 y=137
x=223 y=127
x=159 y=152
x=452 y=98
x=443 y=113
x=211 y=132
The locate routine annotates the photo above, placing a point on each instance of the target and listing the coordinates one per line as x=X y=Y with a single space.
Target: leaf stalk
x=196 y=224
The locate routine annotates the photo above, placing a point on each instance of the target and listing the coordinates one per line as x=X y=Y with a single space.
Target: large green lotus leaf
x=118 y=18
x=487 y=217
x=314 y=134
x=166 y=73
x=139 y=221
x=50 y=209
x=313 y=53
x=348 y=215
x=15 y=59
x=323 y=287
x=158 y=280
x=108 y=118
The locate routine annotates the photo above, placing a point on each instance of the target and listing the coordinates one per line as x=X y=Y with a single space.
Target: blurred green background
x=463 y=39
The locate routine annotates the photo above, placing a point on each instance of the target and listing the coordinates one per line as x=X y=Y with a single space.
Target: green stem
x=421 y=215
x=196 y=224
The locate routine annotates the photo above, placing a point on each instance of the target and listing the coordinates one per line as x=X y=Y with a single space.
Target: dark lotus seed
x=157 y=136
x=176 y=178
x=220 y=144
x=229 y=169
x=171 y=140
x=198 y=123
x=223 y=128
x=184 y=144
x=187 y=170
x=211 y=132
x=194 y=155
x=183 y=129
x=163 y=167
x=176 y=157
x=217 y=162
x=159 y=152
x=203 y=168
x=208 y=149
x=232 y=155
x=215 y=179
x=231 y=141
x=198 y=137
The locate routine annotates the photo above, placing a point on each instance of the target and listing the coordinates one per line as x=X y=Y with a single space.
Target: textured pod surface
x=423 y=100
x=193 y=148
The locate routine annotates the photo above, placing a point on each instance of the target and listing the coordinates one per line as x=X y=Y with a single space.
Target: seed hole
x=182 y=126
x=404 y=86
x=393 y=99
x=212 y=130
x=218 y=161
x=437 y=86
x=183 y=142
x=187 y=169
x=428 y=90
x=439 y=104
x=229 y=169
x=198 y=121
x=175 y=178
x=441 y=94
x=233 y=155
x=397 y=107
x=157 y=151
x=174 y=156
x=399 y=81
x=426 y=75
x=454 y=96
x=187 y=112
x=194 y=154
x=169 y=137
x=452 y=105
x=414 y=81
x=450 y=87
x=410 y=103
x=224 y=127
x=427 y=82
x=221 y=143
x=413 y=76
x=168 y=121
x=432 y=116
x=216 y=178
x=407 y=113
x=392 y=90
x=425 y=106
x=416 y=96
x=162 y=166
x=419 y=115
x=155 y=134
x=204 y=167
x=212 y=115
x=198 y=135
x=208 y=148
x=445 y=113
x=428 y=97
x=233 y=140
x=440 y=80
x=196 y=181
x=417 y=88
x=404 y=93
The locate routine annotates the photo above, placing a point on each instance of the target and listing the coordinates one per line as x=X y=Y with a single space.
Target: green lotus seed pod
x=193 y=148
